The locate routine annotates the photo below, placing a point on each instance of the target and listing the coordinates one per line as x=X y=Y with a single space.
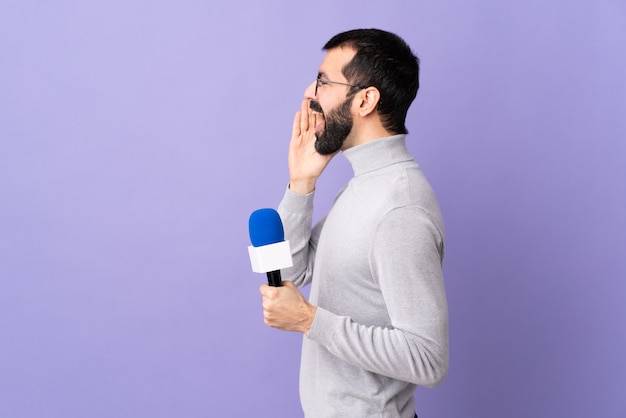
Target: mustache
x=315 y=106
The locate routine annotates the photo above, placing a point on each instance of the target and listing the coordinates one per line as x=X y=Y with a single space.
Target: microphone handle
x=273 y=278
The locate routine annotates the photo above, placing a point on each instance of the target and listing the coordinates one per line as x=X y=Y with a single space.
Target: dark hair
x=382 y=60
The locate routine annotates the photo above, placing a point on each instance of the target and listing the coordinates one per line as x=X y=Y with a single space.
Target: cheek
x=327 y=105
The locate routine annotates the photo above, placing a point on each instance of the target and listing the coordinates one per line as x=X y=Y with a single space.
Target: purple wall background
x=136 y=137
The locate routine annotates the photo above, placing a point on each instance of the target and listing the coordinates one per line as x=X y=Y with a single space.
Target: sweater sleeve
x=296 y=213
x=405 y=260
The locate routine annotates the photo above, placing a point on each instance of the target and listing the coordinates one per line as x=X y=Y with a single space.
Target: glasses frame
x=319 y=80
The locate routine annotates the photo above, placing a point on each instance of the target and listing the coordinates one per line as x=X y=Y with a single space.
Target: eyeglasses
x=320 y=82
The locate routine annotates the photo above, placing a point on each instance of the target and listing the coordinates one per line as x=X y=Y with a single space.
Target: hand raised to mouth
x=305 y=163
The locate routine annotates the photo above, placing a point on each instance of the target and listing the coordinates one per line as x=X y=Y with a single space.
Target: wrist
x=302 y=186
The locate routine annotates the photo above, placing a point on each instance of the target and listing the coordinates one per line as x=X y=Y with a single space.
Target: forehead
x=334 y=61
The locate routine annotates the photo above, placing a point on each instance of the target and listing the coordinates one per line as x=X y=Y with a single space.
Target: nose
x=309 y=93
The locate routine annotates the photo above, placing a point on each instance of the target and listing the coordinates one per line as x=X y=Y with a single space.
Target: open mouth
x=319 y=122
x=316 y=109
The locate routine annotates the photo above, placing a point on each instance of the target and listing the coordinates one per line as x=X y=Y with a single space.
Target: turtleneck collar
x=377 y=154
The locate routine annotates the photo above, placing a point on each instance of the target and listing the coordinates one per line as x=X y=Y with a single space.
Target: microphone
x=269 y=251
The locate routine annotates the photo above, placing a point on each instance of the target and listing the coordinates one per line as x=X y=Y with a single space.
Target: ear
x=369 y=99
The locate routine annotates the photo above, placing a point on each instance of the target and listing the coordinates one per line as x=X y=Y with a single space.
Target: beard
x=337 y=127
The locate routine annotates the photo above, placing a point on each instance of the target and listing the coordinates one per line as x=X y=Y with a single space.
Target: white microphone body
x=271 y=257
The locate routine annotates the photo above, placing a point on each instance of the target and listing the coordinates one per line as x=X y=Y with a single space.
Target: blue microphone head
x=265 y=227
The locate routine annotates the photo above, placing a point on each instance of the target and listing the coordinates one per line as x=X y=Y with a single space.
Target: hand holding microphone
x=284 y=307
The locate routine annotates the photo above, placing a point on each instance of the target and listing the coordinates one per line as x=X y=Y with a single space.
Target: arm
x=406 y=263
x=296 y=213
x=296 y=208
x=285 y=307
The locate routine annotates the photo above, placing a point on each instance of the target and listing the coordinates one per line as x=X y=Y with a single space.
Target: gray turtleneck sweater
x=374 y=264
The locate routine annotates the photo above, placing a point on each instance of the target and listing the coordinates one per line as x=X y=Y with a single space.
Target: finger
x=295 y=129
x=304 y=119
x=312 y=119
x=266 y=290
x=287 y=283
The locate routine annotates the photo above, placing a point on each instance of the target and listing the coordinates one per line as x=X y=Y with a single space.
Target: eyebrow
x=322 y=74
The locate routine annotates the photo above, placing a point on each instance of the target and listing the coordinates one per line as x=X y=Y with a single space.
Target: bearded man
x=376 y=323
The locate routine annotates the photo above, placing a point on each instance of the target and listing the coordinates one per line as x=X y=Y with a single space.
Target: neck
x=364 y=134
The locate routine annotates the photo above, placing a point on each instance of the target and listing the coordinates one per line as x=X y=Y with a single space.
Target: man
x=376 y=325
